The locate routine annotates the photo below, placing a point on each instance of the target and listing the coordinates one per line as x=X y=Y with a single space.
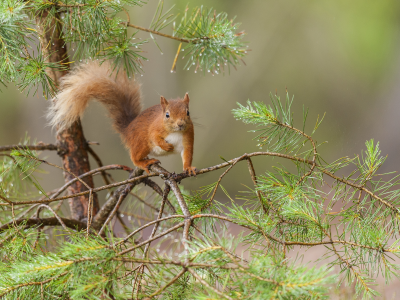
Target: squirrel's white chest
x=176 y=139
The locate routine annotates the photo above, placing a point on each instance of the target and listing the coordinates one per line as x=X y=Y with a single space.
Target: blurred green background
x=339 y=57
x=336 y=57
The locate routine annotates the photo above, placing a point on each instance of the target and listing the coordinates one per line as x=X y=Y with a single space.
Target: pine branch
x=283 y=209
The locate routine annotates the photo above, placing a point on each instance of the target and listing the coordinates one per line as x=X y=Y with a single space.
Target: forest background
x=336 y=57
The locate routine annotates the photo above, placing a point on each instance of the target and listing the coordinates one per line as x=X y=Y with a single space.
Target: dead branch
x=33 y=222
x=37 y=147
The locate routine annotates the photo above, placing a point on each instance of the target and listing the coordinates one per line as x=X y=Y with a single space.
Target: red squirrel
x=160 y=130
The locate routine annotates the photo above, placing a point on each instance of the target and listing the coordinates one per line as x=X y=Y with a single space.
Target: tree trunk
x=72 y=141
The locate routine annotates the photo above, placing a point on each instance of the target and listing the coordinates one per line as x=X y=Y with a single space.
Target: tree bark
x=71 y=141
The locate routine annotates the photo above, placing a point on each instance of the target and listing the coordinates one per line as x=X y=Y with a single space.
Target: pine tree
x=190 y=253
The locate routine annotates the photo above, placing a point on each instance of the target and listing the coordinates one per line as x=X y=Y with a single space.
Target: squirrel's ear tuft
x=164 y=102
x=186 y=99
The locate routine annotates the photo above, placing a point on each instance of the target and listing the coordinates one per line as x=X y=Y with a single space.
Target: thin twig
x=91 y=172
x=313 y=165
x=37 y=147
x=203 y=282
x=105 y=187
x=144 y=202
x=169 y=283
x=99 y=163
x=32 y=222
x=111 y=215
x=115 y=201
x=159 y=191
x=124 y=226
x=254 y=178
x=160 y=213
x=152 y=239
x=147 y=225
x=167 y=189
x=135 y=216
x=219 y=181
x=58 y=167
x=170 y=262
x=89 y=213
x=157 y=33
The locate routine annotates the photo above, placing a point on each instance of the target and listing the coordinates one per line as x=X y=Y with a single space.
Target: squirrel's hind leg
x=140 y=160
x=146 y=163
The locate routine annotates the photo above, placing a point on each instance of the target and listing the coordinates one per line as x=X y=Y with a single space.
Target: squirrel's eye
x=167 y=114
x=187 y=112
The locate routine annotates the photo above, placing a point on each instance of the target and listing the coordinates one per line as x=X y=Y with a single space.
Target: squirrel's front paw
x=191 y=171
x=168 y=147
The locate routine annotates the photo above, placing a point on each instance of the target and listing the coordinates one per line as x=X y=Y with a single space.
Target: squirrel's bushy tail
x=120 y=95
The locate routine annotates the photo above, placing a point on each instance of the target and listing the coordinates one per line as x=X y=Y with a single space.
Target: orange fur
x=150 y=131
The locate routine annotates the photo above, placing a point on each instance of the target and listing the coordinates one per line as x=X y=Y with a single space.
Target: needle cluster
x=102 y=29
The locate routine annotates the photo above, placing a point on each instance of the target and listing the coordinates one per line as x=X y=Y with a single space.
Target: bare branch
x=37 y=147
x=33 y=222
x=115 y=200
